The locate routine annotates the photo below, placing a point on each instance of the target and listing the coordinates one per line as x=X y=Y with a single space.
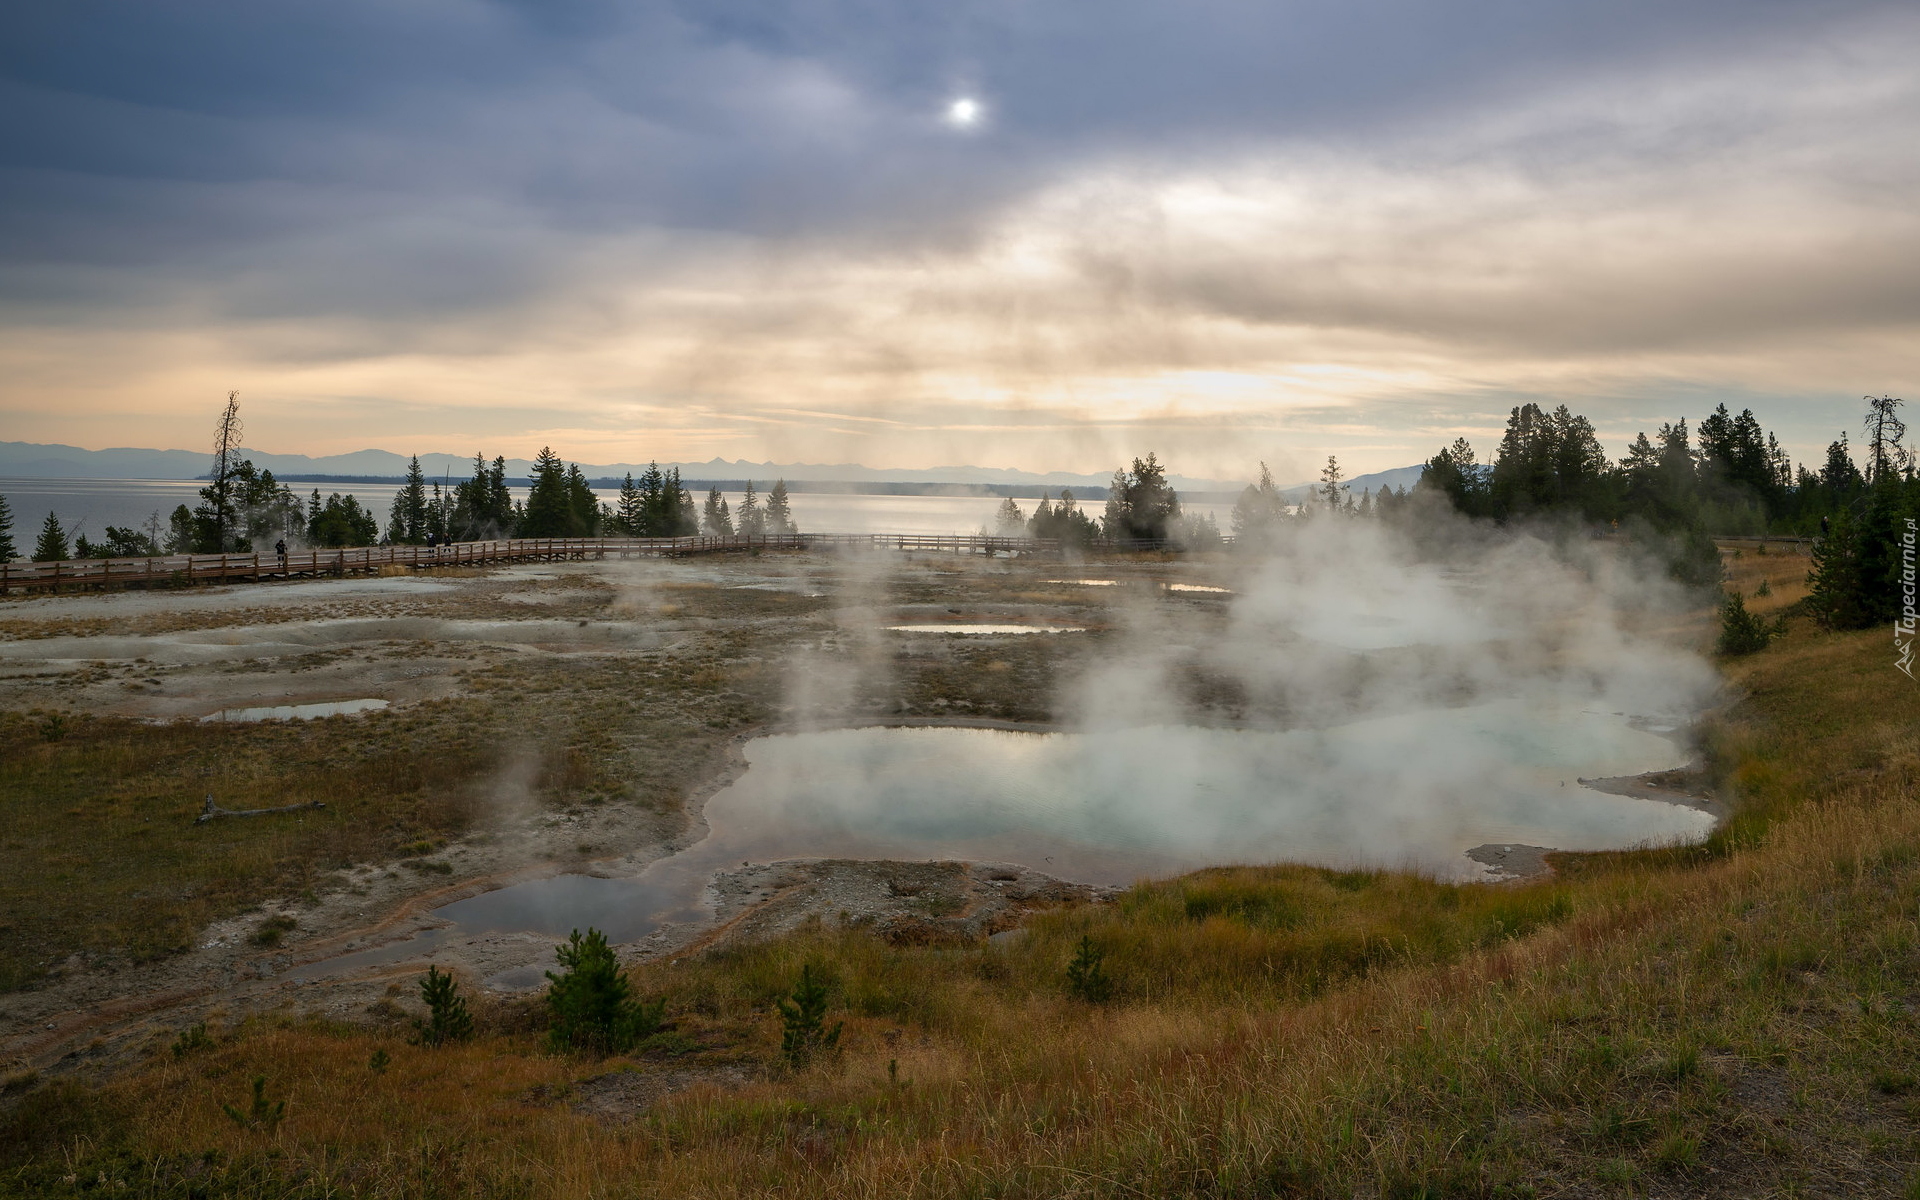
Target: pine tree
x=1140 y=503
x=779 y=516
x=408 y=523
x=52 y=546
x=630 y=518
x=1333 y=493
x=803 y=1016
x=686 y=514
x=716 y=521
x=7 y=550
x=1835 y=595
x=447 y=1017
x=1740 y=631
x=751 y=519
x=583 y=507
x=1260 y=507
x=1009 y=521
x=549 y=511
x=1086 y=977
x=589 y=1004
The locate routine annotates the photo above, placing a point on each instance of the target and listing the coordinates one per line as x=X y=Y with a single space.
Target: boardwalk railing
x=184 y=569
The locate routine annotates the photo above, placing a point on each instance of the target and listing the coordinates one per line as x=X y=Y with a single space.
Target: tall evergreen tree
x=341 y=521
x=549 y=511
x=751 y=519
x=1260 y=508
x=408 y=523
x=779 y=515
x=1839 y=476
x=7 y=550
x=583 y=507
x=659 y=506
x=630 y=516
x=1063 y=520
x=716 y=521
x=1140 y=502
x=1455 y=473
x=1334 y=494
x=1835 y=595
x=686 y=514
x=52 y=546
x=1009 y=521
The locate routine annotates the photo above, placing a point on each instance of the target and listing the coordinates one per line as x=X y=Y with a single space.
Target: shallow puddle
x=978 y=630
x=1416 y=790
x=1171 y=587
x=297 y=712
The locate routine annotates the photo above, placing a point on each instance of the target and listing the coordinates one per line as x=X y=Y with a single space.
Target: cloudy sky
x=1012 y=233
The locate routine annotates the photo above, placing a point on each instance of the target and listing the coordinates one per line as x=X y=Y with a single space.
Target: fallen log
x=212 y=810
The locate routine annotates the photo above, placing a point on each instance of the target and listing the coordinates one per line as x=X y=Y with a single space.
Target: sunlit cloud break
x=757 y=224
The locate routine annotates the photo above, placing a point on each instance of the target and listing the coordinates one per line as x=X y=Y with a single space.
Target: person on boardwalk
x=280 y=548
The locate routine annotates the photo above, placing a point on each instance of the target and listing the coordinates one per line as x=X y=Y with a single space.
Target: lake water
x=90 y=505
x=1414 y=790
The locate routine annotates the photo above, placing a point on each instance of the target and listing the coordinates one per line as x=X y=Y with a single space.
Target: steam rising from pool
x=1354 y=699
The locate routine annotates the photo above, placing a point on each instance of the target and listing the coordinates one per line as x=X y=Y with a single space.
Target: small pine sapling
x=378 y=1063
x=1740 y=631
x=262 y=1113
x=1086 y=976
x=589 y=1005
x=804 y=1017
x=193 y=1037
x=447 y=1017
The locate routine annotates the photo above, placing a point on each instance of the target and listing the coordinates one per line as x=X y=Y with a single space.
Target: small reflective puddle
x=297 y=712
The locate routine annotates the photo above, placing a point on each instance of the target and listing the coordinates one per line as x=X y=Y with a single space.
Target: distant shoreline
x=1018 y=491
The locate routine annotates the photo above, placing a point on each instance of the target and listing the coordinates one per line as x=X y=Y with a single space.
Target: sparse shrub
x=1086 y=976
x=53 y=727
x=1740 y=631
x=19 y=1081
x=379 y=1062
x=804 y=1015
x=1678 y=1151
x=1893 y=1083
x=447 y=1017
x=192 y=1038
x=261 y=1114
x=273 y=929
x=1681 y=1064
x=589 y=1005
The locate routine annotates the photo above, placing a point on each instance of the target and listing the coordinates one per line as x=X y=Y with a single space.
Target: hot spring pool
x=1415 y=790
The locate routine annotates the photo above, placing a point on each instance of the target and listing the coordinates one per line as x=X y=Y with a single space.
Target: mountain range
x=33 y=460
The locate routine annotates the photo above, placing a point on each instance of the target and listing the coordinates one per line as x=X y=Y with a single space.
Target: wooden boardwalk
x=180 y=570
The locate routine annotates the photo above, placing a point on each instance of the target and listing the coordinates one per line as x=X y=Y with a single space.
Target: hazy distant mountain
x=38 y=461
x=1398 y=477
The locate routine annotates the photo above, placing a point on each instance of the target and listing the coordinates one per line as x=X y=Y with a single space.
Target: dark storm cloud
x=784 y=118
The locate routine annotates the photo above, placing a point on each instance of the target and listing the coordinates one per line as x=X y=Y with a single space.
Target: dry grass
x=1735 y=1021
x=99 y=836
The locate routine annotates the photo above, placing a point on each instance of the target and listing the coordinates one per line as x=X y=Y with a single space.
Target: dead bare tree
x=226 y=456
x=1885 y=430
